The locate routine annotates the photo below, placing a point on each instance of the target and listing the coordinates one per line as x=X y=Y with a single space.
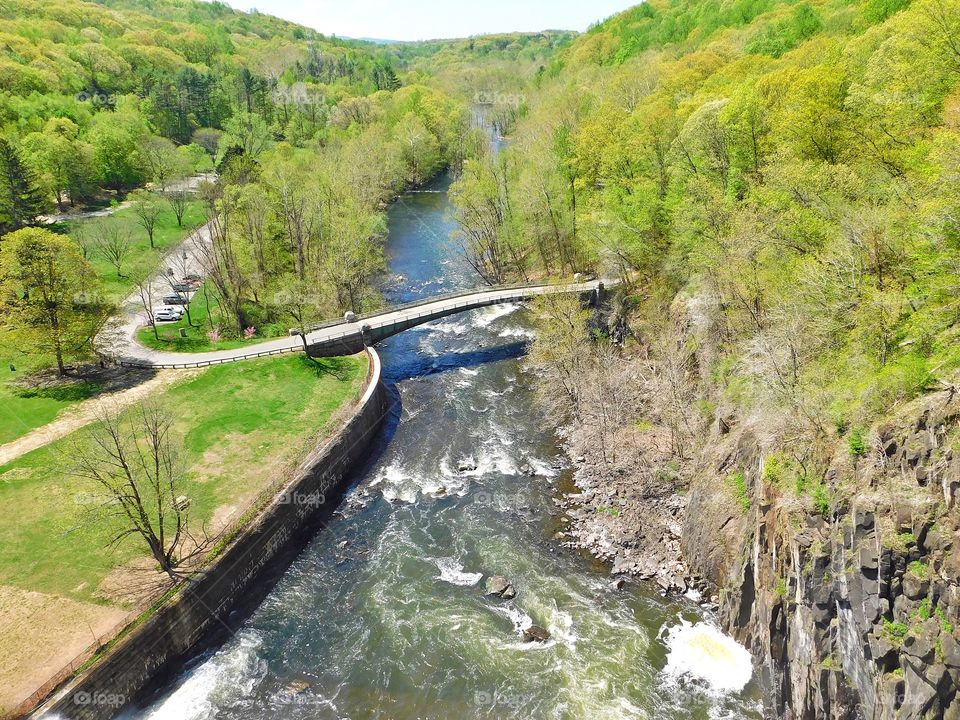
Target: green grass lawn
x=197 y=338
x=23 y=410
x=142 y=258
x=242 y=426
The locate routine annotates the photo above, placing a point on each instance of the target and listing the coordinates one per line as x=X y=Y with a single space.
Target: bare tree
x=133 y=459
x=176 y=277
x=178 y=203
x=84 y=240
x=146 y=300
x=147 y=210
x=113 y=245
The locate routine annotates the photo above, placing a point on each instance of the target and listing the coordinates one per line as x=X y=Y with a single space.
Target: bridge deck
x=342 y=337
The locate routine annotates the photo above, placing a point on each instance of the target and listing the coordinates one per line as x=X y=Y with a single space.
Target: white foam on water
x=521 y=621
x=468 y=371
x=518 y=332
x=448 y=327
x=490 y=314
x=397 y=485
x=232 y=673
x=452 y=571
x=703 y=652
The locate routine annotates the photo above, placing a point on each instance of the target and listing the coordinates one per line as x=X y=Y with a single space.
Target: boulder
x=915 y=588
x=297 y=687
x=919 y=644
x=497 y=586
x=950 y=648
x=535 y=633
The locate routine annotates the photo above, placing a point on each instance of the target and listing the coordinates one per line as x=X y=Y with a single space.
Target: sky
x=428 y=19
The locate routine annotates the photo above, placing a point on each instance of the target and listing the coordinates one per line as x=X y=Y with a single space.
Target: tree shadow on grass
x=341 y=368
x=73 y=392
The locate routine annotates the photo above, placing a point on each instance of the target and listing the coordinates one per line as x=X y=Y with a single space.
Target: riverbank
x=244 y=428
x=843 y=586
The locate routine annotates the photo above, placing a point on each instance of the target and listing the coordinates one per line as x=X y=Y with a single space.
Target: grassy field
x=242 y=426
x=23 y=409
x=197 y=339
x=197 y=335
x=142 y=258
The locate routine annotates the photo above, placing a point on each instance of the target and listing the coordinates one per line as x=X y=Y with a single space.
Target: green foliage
x=741 y=493
x=894 y=632
x=945 y=625
x=781 y=588
x=857 y=443
x=919 y=569
x=786 y=34
x=821 y=499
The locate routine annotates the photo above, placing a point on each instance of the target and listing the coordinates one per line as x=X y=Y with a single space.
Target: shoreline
x=189 y=617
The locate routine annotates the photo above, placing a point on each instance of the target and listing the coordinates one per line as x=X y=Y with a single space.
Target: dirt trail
x=84 y=413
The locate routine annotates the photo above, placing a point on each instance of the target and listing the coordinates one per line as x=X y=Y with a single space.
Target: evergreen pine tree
x=21 y=200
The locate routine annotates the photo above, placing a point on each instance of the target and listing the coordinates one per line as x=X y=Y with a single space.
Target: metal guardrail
x=356 y=331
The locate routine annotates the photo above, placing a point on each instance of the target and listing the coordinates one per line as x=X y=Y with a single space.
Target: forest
x=311 y=137
x=776 y=180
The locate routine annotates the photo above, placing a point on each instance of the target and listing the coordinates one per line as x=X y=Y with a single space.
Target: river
x=383 y=615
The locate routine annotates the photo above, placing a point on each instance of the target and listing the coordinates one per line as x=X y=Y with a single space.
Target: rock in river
x=497 y=586
x=535 y=633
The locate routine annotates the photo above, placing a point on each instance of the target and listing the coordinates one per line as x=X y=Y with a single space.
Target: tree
x=61 y=162
x=21 y=201
x=134 y=461
x=50 y=292
x=147 y=209
x=115 y=137
x=113 y=244
x=161 y=160
x=178 y=200
x=145 y=291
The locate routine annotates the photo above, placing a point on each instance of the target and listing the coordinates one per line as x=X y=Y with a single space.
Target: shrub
x=738 y=484
x=857 y=442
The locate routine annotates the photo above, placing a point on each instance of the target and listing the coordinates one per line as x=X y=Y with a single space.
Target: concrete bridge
x=351 y=334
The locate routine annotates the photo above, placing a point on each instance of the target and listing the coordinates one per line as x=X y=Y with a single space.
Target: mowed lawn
x=22 y=410
x=243 y=427
x=141 y=259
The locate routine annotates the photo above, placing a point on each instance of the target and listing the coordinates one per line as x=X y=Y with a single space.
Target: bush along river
x=386 y=612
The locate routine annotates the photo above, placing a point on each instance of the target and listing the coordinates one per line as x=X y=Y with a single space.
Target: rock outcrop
x=852 y=608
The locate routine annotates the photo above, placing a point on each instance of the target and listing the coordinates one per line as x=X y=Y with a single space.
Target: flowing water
x=384 y=615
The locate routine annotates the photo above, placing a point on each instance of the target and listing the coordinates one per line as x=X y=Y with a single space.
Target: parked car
x=183 y=287
x=168 y=313
x=192 y=278
x=176 y=300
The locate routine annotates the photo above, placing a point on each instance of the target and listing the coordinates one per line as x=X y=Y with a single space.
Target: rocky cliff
x=841 y=574
x=852 y=604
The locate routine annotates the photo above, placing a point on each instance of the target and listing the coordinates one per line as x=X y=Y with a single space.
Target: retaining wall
x=236 y=581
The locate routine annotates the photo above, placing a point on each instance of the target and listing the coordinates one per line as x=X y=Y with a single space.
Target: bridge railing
x=446 y=296
x=496 y=290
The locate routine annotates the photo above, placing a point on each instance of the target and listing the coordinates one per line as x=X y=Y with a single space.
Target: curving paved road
x=344 y=337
